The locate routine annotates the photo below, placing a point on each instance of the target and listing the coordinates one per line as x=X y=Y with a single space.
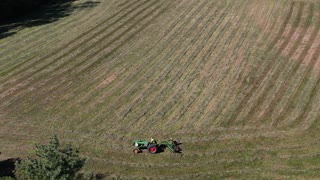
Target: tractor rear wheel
x=152 y=149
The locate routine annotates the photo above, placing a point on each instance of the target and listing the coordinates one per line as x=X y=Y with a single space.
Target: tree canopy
x=52 y=162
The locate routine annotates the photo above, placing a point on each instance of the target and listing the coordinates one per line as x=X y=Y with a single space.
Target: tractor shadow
x=7 y=167
x=43 y=15
x=161 y=150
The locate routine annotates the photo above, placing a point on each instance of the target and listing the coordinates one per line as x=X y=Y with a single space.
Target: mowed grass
x=236 y=82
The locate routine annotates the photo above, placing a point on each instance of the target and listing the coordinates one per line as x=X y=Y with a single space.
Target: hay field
x=237 y=82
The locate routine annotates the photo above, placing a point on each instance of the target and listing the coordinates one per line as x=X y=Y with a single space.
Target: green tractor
x=153 y=147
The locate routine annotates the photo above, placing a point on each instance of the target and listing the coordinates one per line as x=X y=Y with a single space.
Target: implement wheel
x=177 y=149
x=136 y=151
x=152 y=149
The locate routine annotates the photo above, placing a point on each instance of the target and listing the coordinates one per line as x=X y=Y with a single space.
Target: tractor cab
x=138 y=145
x=153 y=141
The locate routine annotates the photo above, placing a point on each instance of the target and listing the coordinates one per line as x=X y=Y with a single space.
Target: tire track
x=176 y=165
x=193 y=173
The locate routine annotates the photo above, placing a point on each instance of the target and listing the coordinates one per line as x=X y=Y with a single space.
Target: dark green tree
x=52 y=162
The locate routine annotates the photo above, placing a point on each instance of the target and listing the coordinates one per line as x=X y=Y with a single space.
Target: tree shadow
x=164 y=148
x=7 y=167
x=6 y=34
x=43 y=15
x=92 y=176
x=101 y=176
x=87 y=4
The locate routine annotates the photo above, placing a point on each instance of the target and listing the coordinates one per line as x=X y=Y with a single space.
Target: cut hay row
x=163 y=76
x=74 y=99
x=264 y=68
x=137 y=75
x=138 y=29
x=297 y=66
x=220 y=54
x=211 y=92
x=38 y=40
x=176 y=110
x=97 y=86
x=166 y=55
x=232 y=43
x=75 y=41
x=64 y=51
x=63 y=64
x=277 y=74
x=153 y=92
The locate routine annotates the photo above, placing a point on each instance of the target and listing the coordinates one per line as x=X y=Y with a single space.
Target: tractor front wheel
x=152 y=149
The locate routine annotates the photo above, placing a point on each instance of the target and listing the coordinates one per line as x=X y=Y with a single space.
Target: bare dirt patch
x=313 y=52
x=109 y=80
x=301 y=46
